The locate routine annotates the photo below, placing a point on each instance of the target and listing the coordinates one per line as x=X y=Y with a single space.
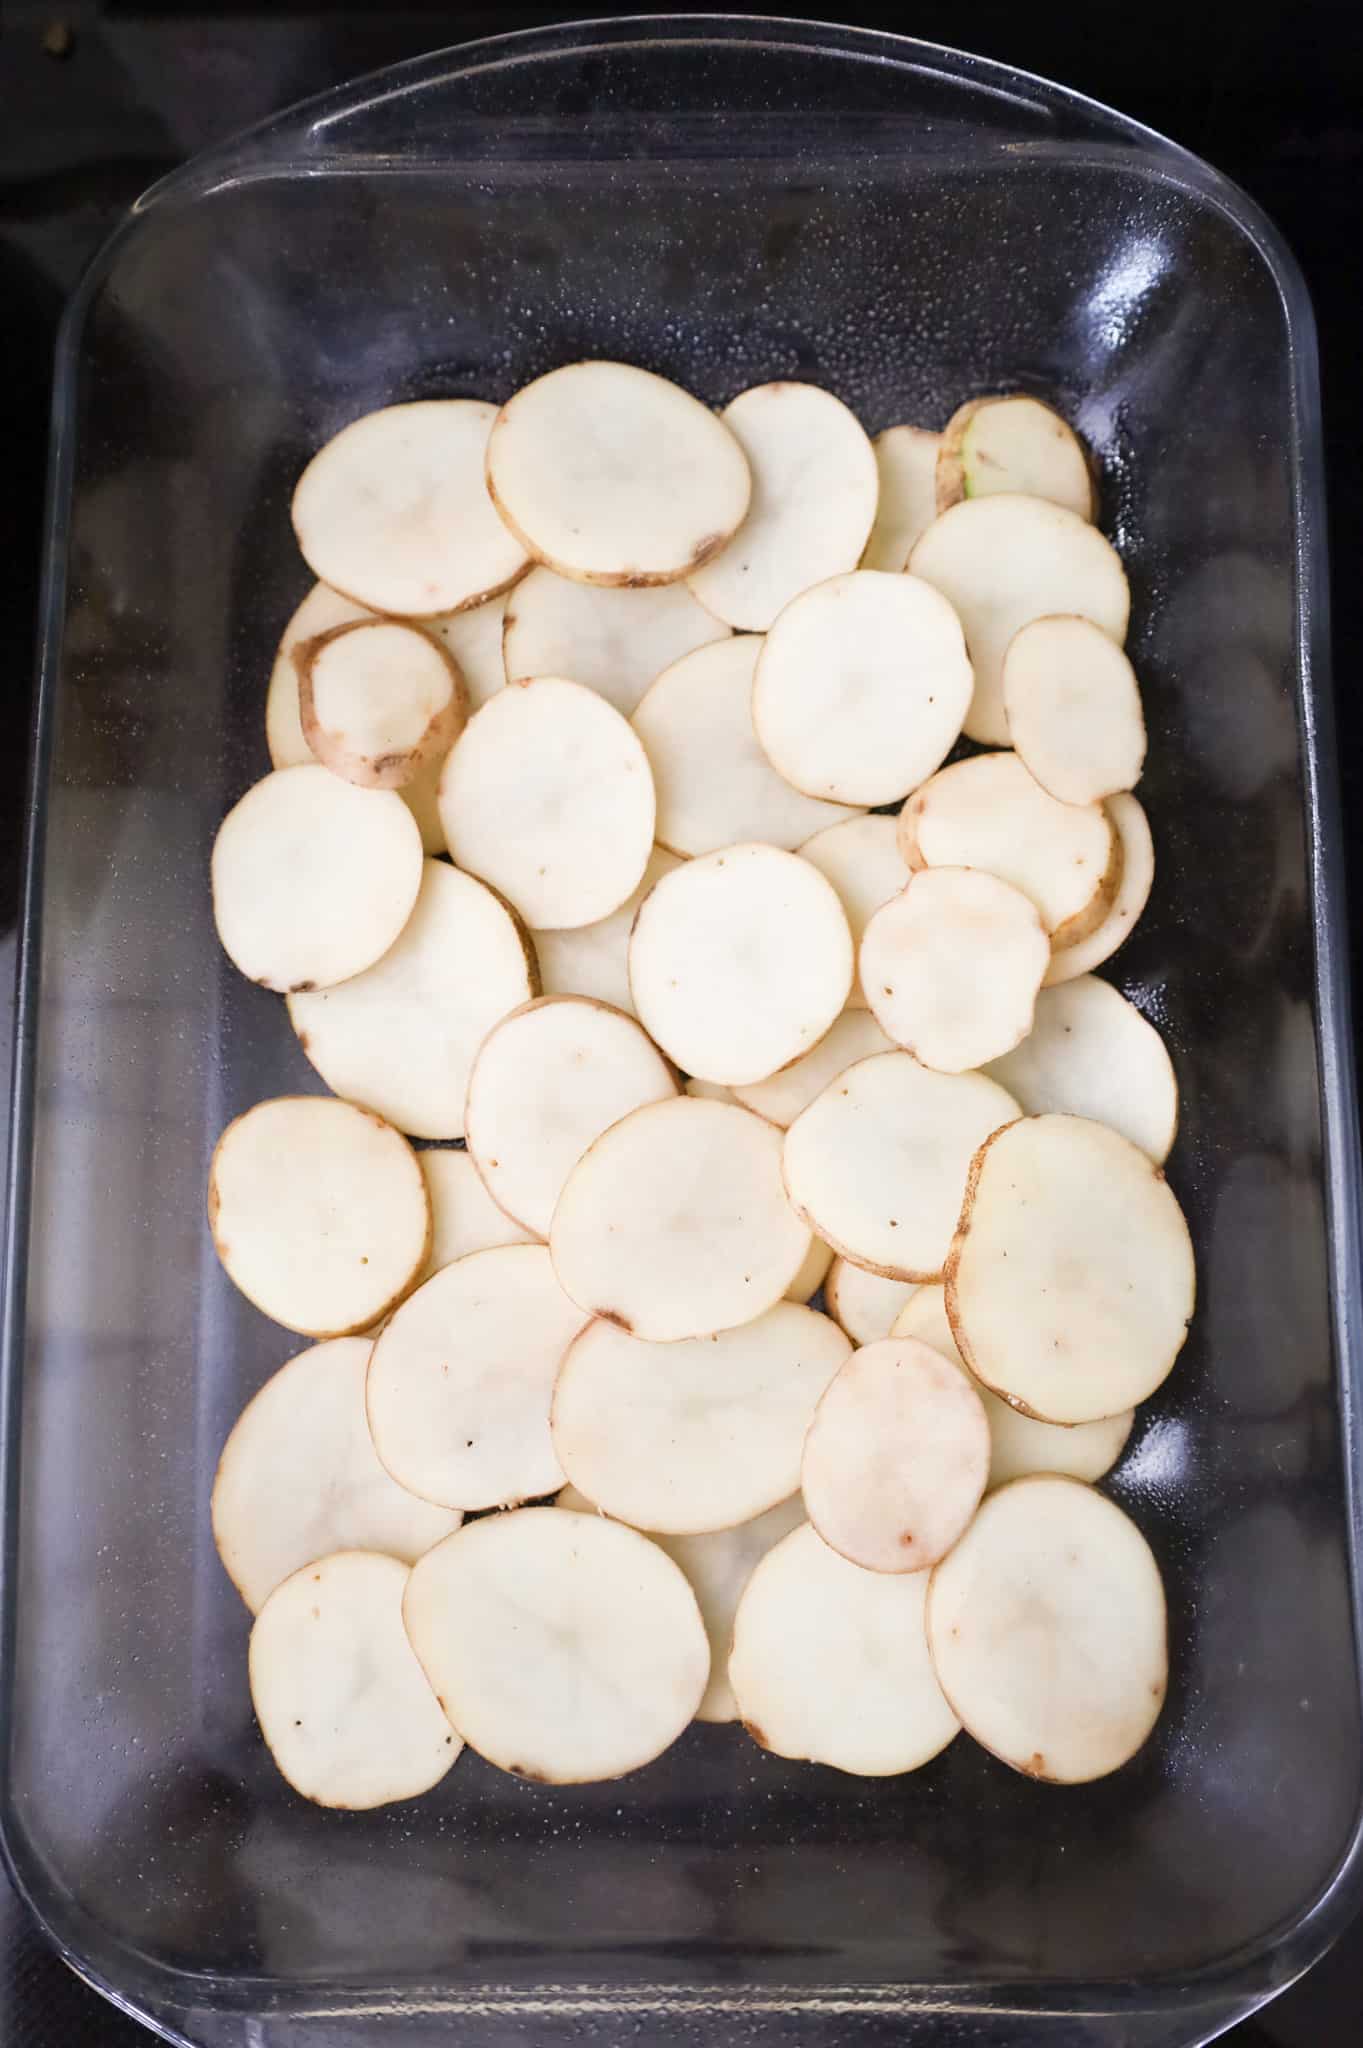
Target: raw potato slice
x=461 y=1377
x=715 y=785
x=401 y=1038
x=713 y=1091
x=988 y=812
x=896 y=1457
x=952 y=966
x=718 y=1566
x=861 y=687
x=853 y=1036
x=474 y=640
x=547 y=1081
x=320 y=610
x=1132 y=828
x=613 y=640
x=865 y=1304
x=1074 y=709
x=299 y=1478
x=1003 y=561
x=815 y=488
x=318 y=1212
x=830 y=1663
x=907 y=460
x=378 y=701
x=594 y=959
x=1091 y=1053
x=877 y=1164
x=313 y=879
x=812 y=1273
x=394 y=511
x=609 y=474
x=464 y=1217
x=547 y=795
x=1017 y=1443
x=1070 y=1282
x=564 y=1647
x=675 y=1224
x=861 y=858
x=693 y=1436
x=345 y=1709
x=1013 y=444
x=739 y=962
x=1048 y=1632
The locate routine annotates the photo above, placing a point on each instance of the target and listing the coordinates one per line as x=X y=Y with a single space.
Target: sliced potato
x=1003 y=561
x=1048 y=1632
x=318 y=1212
x=474 y=640
x=830 y=1663
x=712 y=1091
x=547 y=1081
x=865 y=1304
x=815 y=488
x=1070 y=1281
x=593 y=960
x=613 y=640
x=907 y=460
x=1137 y=878
x=1074 y=709
x=378 y=701
x=675 y=1223
x=299 y=1478
x=718 y=1565
x=861 y=686
x=394 y=511
x=464 y=1217
x=1091 y=1053
x=1013 y=444
x=609 y=474
x=693 y=1436
x=320 y=610
x=401 y=1037
x=952 y=966
x=877 y=1164
x=861 y=858
x=461 y=1377
x=715 y=785
x=547 y=795
x=812 y=1273
x=853 y=1036
x=988 y=812
x=313 y=879
x=345 y=1709
x=739 y=962
x=564 y=1647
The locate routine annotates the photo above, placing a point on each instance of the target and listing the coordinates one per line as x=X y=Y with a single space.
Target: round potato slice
x=1091 y=1053
x=1048 y=1633
x=299 y=1478
x=394 y=510
x=613 y=640
x=464 y=1217
x=896 y=1458
x=318 y=1212
x=547 y=1081
x=1074 y=709
x=345 y=1709
x=1018 y=1443
x=830 y=1663
x=461 y=1378
x=861 y=687
x=675 y=1223
x=593 y=960
x=906 y=458
x=861 y=858
x=988 y=812
x=313 y=879
x=401 y=1037
x=378 y=701
x=564 y=1647
x=812 y=1273
x=815 y=488
x=474 y=641
x=1013 y=444
x=1003 y=561
x=739 y=962
x=1070 y=1282
x=693 y=1436
x=865 y=1304
x=877 y=1164
x=1132 y=827
x=547 y=795
x=952 y=965
x=853 y=1036
x=609 y=474
x=320 y=610
x=715 y=785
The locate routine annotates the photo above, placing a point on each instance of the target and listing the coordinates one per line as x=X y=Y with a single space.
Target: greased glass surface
x=724 y=202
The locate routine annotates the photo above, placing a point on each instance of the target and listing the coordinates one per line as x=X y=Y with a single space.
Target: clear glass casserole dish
x=723 y=200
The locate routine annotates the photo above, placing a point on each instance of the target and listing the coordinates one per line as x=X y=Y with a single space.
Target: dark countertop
x=100 y=100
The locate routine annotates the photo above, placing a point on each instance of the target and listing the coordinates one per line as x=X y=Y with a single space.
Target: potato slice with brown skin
x=1137 y=878
x=906 y=458
x=378 y=701
x=473 y=639
x=853 y=1036
x=320 y=610
x=1014 y=443
x=952 y=965
x=1091 y=1053
x=865 y=1304
x=861 y=858
x=593 y=959
x=613 y=640
x=1074 y=709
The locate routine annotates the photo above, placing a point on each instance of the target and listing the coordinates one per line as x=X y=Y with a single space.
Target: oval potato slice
x=906 y=458
x=609 y=474
x=1074 y=709
x=613 y=640
x=861 y=858
x=464 y=1217
x=378 y=701
x=865 y=1304
x=593 y=959
x=1132 y=828
x=1091 y=1053
x=952 y=966
x=320 y=610
x=1014 y=443
x=1070 y=1281
x=853 y=1036
x=1048 y=1632
x=474 y=640
x=564 y=1647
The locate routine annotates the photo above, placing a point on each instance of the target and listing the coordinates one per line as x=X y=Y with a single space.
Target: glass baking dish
x=724 y=200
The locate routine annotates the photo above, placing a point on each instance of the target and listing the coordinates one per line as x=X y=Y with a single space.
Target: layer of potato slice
x=1048 y=1632
x=320 y=610
x=613 y=640
x=853 y=1036
x=1137 y=877
x=378 y=701
x=1091 y=1053
x=906 y=458
x=1070 y=1281
x=474 y=639
x=865 y=1304
x=564 y=1647
x=593 y=959
x=812 y=1273
x=1013 y=443
x=464 y=1217
x=1074 y=709
x=861 y=858
x=952 y=966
